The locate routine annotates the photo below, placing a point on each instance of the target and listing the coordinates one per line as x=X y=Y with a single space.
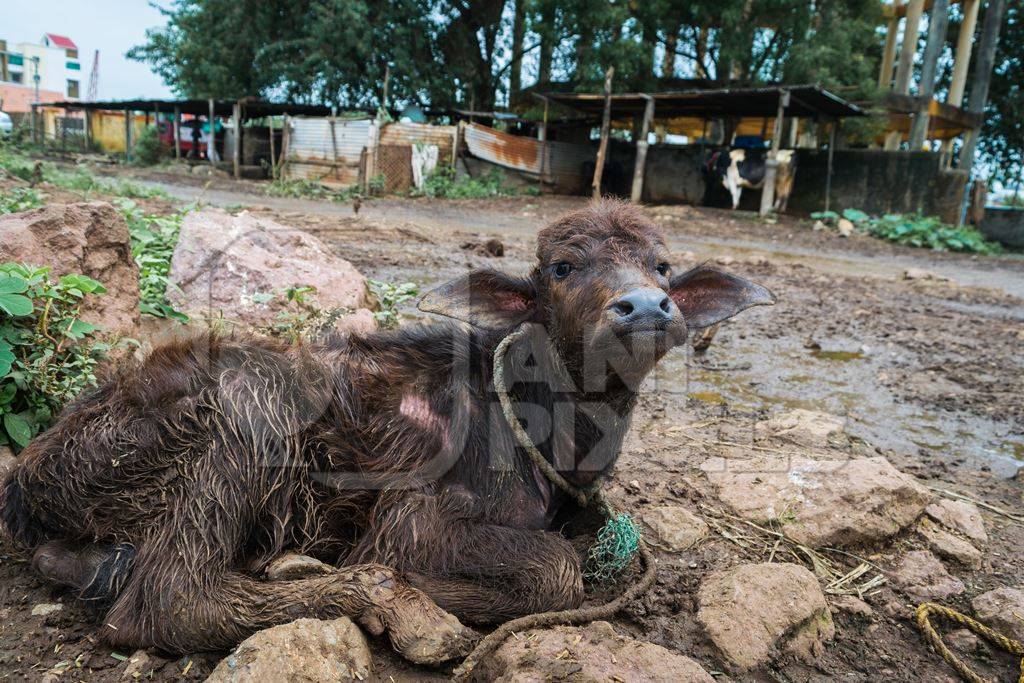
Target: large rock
x=592 y=653
x=1003 y=610
x=820 y=502
x=306 y=650
x=89 y=239
x=753 y=612
x=232 y=265
x=675 y=527
x=921 y=575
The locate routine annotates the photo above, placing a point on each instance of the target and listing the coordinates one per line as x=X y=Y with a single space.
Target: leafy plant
x=921 y=231
x=443 y=182
x=302 y=317
x=48 y=354
x=19 y=199
x=153 y=239
x=390 y=297
x=149 y=149
x=300 y=188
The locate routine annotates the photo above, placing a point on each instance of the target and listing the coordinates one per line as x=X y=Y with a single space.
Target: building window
x=72 y=88
x=72 y=54
x=15 y=77
x=73 y=66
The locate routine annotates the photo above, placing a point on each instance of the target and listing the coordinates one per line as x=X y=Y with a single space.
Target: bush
x=914 y=230
x=19 y=199
x=153 y=239
x=149 y=149
x=443 y=183
x=48 y=354
x=389 y=297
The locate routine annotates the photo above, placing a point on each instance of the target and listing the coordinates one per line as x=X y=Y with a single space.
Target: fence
x=327 y=150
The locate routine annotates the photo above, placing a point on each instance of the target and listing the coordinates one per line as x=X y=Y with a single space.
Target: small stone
x=304 y=650
x=46 y=608
x=594 y=652
x=949 y=546
x=294 y=566
x=805 y=427
x=844 y=227
x=754 y=611
x=675 y=527
x=852 y=605
x=139 y=665
x=725 y=260
x=959 y=516
x=819 y=226
x=1003 y=610
x=963 y=640
x=921 y=575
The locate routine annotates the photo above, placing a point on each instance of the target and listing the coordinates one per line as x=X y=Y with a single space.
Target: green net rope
x=617 y=543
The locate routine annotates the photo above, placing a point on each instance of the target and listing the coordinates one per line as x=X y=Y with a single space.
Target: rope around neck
x=584 y=497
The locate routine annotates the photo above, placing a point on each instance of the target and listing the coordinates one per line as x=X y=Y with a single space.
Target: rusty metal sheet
x=315 y=152
x=425 y=133
x=559 y=163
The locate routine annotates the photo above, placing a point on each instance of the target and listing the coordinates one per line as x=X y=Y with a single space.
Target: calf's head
x=604 y=289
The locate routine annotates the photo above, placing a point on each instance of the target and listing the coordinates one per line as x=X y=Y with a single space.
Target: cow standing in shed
x=742 y=168
x=164 y=494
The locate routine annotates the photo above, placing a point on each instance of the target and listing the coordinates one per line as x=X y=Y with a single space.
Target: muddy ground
x=927 y=371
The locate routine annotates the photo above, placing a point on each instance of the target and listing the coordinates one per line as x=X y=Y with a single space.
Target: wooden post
x=911 y=30
x=771 y=168
x=542 y=135
x=832 y=136
x=937 y=25
x=286 y=137
x=963 y=52
x=273 y=156
x=982 y=75
x=334 y=148
x=455 y=143
x=236 y=122
x=177 y=133
x=606 y=123
x=889 y=52
x=88 y=130
x=641 y=150
x=127 y=136
x=211 y=143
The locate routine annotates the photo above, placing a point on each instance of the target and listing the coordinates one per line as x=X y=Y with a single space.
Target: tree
x=1002 y=139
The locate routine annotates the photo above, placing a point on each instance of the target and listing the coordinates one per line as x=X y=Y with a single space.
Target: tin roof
x=804 y=101
x=251 y=108
x=61 y=41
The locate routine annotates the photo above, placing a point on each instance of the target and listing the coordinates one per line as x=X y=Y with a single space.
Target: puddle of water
x=778 y=375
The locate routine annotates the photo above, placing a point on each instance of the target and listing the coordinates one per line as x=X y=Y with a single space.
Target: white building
x=51 y=65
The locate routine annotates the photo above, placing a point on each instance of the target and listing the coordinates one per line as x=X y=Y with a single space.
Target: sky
x=110 y=26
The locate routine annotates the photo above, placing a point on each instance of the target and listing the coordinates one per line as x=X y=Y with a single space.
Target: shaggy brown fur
x=165 y=493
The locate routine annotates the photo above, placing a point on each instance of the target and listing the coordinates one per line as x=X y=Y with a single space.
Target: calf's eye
x=664 y=269
x=562 y=269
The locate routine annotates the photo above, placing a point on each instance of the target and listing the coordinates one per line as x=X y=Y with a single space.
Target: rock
x=303 y=650
x=753 y=612
x=805 y=427
x=820 y=502
x=844 y=227
x=819 y=226
x=921 y=575
x=139 y=665
x=852 y=605
x=675 y=527
x=922 y=274
x=963 y=640
x=959 y=516
x=590 y=653
x=949 y=546
x=46 y=608
x=88 y=239
x=241 y=265
x=1003 y=610
x=294 y=566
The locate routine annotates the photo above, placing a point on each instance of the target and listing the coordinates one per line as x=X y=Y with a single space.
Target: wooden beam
x=901 y=10
x=236 y=121
x=962 y=61
x=937 y=25
x=606 y=121
x=771 y=168
x=641 y=151
x=88 y=130
x=177 y=133
x=911 y=30
x=982 y=75
x=889 y=53
x=211 y=143
x=273 y=156
x=127 y=136
x=833 y=134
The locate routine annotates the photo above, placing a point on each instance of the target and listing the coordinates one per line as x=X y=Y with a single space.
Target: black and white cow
x=740 y=168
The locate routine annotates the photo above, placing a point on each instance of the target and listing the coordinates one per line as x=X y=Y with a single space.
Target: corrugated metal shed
x=559 y=163
x=411 y=133
x=327 y=150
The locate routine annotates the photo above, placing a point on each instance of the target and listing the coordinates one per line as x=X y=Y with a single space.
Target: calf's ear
x=707 y=296
x=483 y=298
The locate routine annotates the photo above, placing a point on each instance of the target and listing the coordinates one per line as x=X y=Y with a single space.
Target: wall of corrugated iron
x=316 y=152
x=411 y=133
x=560 y=163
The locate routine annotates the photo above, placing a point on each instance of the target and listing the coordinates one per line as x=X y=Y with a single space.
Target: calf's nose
x=644 y=305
